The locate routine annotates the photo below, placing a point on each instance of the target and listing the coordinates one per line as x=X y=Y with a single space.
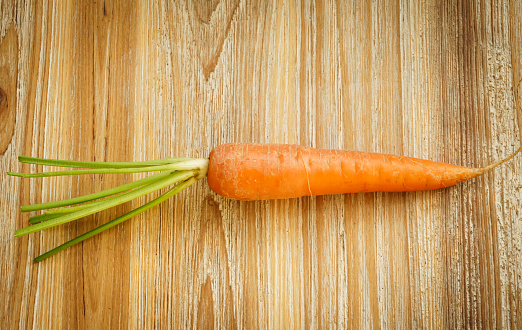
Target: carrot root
x=492 y=166
x=280 y=171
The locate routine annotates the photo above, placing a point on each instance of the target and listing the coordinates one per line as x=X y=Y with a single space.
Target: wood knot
x=7 y=121
x=3 y=100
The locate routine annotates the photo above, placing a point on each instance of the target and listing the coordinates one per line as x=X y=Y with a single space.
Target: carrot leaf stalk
x=100 y=194
x=176 y=173
x=173 y=191
x=42 y=217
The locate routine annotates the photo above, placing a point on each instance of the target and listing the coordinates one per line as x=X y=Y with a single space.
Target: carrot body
x=279 y=171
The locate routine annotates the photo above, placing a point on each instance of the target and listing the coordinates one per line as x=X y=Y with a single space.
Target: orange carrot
x=279 y=171
x=244 y=172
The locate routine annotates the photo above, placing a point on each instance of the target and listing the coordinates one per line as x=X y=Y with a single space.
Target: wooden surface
x=122 y=81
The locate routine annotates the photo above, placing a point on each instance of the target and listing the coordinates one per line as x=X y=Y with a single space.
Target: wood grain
x=123 y=81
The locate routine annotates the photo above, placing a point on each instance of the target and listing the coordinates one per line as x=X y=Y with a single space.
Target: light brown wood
x=121 y=81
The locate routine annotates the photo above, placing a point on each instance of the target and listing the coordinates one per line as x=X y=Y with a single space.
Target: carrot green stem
x=63 y=210
x=123 y=198
x=80 y=164
x=90 y=197
x=181 y=172
x=183 y=165
x=43 y=217
x=179 y=187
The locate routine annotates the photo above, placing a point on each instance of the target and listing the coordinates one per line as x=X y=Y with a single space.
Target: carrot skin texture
x=279 y=171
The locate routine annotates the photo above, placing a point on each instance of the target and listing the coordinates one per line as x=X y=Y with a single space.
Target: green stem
x=189 y=164
x=179 y=187
x=80 y=164
x=176 y=177
x=90 y=197
x=43 y=217
x=62 y=210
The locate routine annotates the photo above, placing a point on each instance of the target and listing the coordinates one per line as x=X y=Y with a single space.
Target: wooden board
x=123 y=81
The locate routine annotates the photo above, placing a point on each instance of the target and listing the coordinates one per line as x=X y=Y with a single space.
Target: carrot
x=243 y=172
x=280 y=171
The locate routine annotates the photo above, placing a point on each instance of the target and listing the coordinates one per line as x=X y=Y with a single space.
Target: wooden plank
x=119 y=81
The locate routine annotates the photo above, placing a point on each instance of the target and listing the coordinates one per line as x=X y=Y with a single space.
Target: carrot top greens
x=176 y=173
